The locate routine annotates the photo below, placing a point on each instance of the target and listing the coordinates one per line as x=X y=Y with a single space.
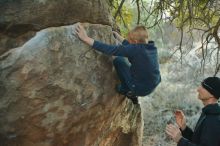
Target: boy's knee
x=117 y=61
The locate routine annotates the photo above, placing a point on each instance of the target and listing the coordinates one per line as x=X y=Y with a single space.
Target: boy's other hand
x=117 y=36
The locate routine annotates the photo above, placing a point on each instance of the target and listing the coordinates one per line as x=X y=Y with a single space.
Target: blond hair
x=138 y=35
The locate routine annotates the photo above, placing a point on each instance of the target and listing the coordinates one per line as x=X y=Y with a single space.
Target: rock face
x=19 y=17
x=22 y=15
x=56 y=91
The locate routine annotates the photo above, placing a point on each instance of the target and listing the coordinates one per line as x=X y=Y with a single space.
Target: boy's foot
x=128 y=94
x=120 y=90
x=132 y=97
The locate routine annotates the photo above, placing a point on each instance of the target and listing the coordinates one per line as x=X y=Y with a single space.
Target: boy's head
x=138 y=35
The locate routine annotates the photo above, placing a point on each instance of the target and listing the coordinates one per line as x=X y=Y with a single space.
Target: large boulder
x=19 y=17
x=23 y=15
x=57 y=91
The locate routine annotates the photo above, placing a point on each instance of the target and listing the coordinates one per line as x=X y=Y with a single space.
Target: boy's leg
x=123 y=70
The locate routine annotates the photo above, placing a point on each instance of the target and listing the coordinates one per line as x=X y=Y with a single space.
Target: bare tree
x=187 y=15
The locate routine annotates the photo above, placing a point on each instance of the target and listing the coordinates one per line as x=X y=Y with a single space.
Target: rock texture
x=56 y=91
x=19 y=17
x=22 y=15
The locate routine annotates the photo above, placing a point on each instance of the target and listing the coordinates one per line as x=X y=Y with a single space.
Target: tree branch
x=119 y=9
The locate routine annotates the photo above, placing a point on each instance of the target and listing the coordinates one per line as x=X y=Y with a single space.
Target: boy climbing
x=139 y=75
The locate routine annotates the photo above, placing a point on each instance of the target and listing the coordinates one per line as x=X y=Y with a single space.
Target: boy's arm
x=80 y=31
x=116 y=50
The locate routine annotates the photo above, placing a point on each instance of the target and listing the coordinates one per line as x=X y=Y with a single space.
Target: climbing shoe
x=132 y=97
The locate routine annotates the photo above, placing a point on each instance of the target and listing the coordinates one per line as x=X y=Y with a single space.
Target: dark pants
x=122 y=67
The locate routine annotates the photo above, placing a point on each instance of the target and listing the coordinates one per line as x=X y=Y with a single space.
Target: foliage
x=187 y=15
x=123 y=18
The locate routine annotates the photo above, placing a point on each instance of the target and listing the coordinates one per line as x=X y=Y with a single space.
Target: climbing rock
x=57 y=91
